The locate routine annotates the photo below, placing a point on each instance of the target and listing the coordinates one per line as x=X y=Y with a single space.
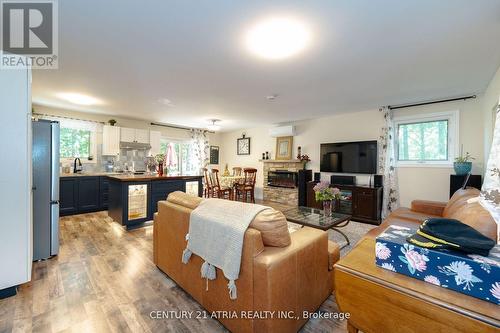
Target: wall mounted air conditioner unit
x=288 y=130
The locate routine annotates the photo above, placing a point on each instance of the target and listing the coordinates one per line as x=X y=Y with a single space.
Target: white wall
x=423 y=182
x=15 y=178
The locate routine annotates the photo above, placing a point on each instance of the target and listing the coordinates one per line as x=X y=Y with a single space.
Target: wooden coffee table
x=379 y=300
x=315 y=218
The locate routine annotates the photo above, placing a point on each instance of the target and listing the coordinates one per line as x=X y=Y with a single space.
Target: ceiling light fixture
x=271 y=97
x=79 y=99
x=213 y=126
x=278 y=38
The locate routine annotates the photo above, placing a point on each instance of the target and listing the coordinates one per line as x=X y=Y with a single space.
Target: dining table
x=230 y=181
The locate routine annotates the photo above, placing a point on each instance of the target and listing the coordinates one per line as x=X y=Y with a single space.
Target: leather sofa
x=298 y=277
x=458 y=207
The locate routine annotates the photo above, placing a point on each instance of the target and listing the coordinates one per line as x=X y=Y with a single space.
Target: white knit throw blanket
x=216 y=231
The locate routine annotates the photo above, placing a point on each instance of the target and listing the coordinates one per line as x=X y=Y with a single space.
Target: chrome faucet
x=75 y=168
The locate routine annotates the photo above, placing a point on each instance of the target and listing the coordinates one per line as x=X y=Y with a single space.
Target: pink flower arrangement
x=324 y=192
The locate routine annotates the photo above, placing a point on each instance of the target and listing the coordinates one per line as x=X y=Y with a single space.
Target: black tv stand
x=364 y=203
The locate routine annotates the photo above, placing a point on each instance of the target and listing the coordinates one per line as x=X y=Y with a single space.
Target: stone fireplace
x=280 y=180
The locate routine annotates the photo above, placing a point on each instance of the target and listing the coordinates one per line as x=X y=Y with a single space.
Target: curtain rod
x=390 y=107
x=181 y=127
x=64 y=117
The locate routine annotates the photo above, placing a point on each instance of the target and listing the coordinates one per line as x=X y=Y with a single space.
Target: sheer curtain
x=490 y=192
x=387 y=163
x=201 y=148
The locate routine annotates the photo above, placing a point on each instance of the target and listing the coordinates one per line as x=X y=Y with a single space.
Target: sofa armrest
x=293 y=278
x=428 y=207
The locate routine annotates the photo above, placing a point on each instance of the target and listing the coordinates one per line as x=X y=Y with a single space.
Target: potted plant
x=326 y=194
x=112 y=122
x=463 y=164
x=160 y=159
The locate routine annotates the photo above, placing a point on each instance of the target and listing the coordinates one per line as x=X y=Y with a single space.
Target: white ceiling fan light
x=80 y=99
x=213 y=126
x=278 y=38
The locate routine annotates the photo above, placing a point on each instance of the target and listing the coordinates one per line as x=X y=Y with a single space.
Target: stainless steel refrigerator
x=45 y=153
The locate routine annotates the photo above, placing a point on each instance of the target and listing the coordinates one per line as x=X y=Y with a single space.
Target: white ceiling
x=364 y=54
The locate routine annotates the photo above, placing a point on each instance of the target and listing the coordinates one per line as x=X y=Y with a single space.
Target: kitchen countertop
x=89 y=174
x=135 y=178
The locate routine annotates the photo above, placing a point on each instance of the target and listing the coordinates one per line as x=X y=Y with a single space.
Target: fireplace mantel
x=282 y=161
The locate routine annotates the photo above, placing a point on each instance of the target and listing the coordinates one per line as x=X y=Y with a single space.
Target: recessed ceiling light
x=213 y=126
x=271 y=97
x=80 y=99
x=278 y=38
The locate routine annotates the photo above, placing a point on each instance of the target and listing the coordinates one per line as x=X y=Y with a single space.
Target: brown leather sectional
x=296 y=278
x=458 y=207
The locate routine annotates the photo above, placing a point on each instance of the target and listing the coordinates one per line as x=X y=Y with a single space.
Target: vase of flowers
x=463 y=163
x=304 y=159
x=160 y=159
x=327 y=195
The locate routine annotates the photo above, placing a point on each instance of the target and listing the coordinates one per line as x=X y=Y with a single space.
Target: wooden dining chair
x=207 y=184
x=220 y=192
x=247 y=186
x=237 y=171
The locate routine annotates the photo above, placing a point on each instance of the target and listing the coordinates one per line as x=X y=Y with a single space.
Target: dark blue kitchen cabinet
x=68 y=196
x=83 y=194
x=161 y=189
x=88 y=194
x=103 y=192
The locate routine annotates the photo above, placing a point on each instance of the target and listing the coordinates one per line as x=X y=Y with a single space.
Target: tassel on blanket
x=187 y=237
x=186 y=255
x=208 y=271
x=232 y=289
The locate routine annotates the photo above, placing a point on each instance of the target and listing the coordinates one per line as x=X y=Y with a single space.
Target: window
x=75 y=143
x=182 y=159
x=426 y=140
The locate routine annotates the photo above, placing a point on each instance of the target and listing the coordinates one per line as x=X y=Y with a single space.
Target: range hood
x=134 y=145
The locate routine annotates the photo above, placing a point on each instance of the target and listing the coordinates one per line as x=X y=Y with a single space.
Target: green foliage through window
x=424 y=141
x=184 y=152
x=74 y=143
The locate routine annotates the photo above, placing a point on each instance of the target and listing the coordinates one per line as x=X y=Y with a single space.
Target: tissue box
x=470 y=274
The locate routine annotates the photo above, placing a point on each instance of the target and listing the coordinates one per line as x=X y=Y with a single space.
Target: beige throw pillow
x=273 y=227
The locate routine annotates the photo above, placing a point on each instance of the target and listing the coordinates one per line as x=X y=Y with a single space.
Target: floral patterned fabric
x=469 y=274
x=201 y=148
x=490 y=194
x=387 y=164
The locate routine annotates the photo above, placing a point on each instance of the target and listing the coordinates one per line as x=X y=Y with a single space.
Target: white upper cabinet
x=154 y=141
x=141 y=136
x=127 y=134
x=110 y=140
x=134 y=135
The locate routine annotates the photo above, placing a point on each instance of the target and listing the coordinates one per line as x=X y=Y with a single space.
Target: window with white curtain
x=426 y=140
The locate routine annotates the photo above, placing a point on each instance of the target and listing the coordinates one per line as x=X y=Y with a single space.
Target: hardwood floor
x=104 y=280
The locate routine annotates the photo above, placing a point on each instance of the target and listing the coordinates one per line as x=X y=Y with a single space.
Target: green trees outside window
x=74 y=143
x=424 y=141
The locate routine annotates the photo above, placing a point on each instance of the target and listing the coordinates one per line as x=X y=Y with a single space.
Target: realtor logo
x=29 y=34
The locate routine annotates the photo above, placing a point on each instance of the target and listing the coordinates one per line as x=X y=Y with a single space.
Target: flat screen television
x=349 y=157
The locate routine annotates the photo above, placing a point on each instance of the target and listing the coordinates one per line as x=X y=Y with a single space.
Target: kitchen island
x=133 y=199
